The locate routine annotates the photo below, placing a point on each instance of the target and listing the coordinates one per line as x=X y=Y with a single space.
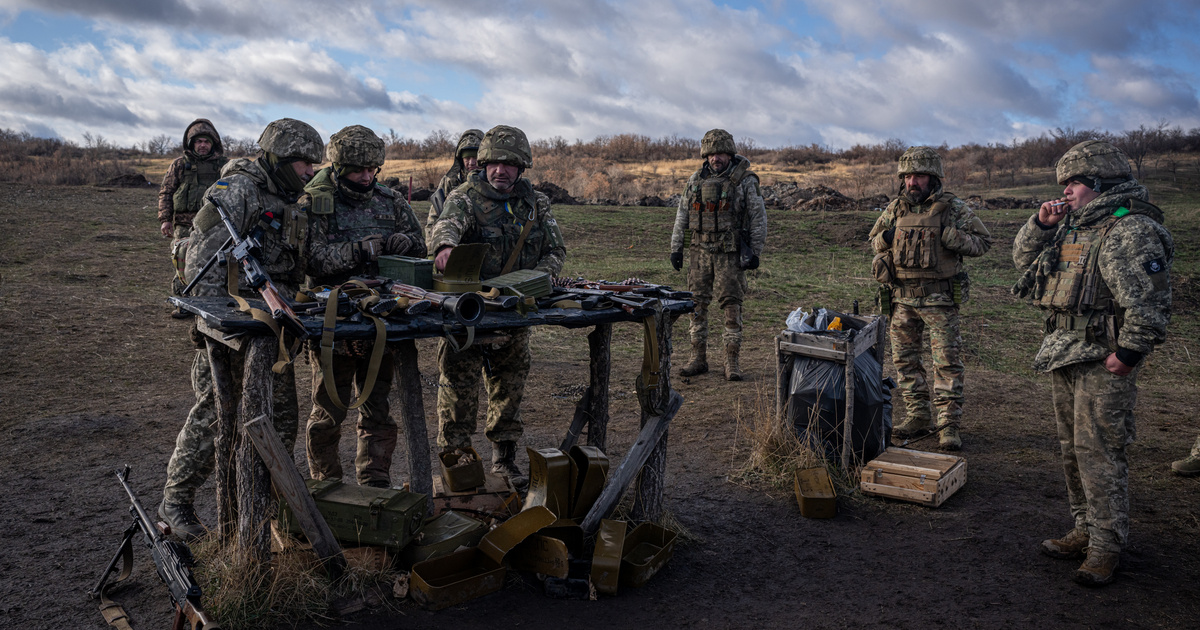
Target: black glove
x=677 y=260
x=753 y=262
x=397 y=244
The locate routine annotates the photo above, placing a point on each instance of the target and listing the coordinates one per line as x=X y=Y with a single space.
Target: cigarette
x=1058 y=203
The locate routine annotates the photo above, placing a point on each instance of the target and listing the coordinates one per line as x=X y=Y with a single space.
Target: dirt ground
x=94 y=374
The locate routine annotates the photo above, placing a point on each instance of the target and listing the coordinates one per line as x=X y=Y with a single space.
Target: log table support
x=648 y=502
x=412 y=407
x=224 y=437
x=253 y=481
x=600 y=353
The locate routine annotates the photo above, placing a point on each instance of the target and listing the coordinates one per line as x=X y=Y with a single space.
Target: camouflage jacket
x=453 y=178
x=749 y=210
x=248 y=193
x=962 y=233
x=339 y=218
x=193 y=173
x=475 y=212
x=1134 y=265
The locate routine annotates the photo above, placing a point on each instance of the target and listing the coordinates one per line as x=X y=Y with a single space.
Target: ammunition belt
x=923 y=290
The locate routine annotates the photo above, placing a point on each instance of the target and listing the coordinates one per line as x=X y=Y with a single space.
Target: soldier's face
x=718 y=161
x=470 y=163
x=1078 y=195
x=303 y=169
x=362 y=176
x=917 y=183
x=502 y=177
x=201 y=146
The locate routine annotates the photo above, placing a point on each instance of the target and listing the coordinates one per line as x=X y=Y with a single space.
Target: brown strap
x=512 y=259
x=113 y=613
x=283 y=357
x=327 y=341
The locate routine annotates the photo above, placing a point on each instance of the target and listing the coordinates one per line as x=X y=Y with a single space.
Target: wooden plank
x=815 y=341
x=883 y=477
x=234 y=343
x=894 y=450
x=412 y=411
x=924 y=498
x=948 y=485
x=577 y=422
x=902 y=469
x=290 y=485
x=620 y=479
x=811 y=351
x=848 y=419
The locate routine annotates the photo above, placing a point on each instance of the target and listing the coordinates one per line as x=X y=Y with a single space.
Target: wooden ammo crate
x=870 y=335
x=917 y=476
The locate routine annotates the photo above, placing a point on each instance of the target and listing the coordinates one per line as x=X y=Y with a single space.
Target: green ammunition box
x=522 y=283
x=415 y=271
x=362 y=515
x=646 y=549
x=443 y=535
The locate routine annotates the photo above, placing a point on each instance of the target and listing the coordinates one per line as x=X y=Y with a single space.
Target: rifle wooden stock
x=282 y=311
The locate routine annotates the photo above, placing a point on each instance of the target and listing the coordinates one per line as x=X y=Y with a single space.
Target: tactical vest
x=499 y=223
x=711 y=215
x=1075 y=296
x=354 y=223
x=917 y=250
x=194 y=180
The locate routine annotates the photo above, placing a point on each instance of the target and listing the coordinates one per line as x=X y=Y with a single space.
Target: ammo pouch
x=885 y=300
x=883 y=269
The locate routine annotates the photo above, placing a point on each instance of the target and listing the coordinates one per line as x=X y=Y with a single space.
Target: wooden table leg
x=648 y=502
x=253 y=480
x=600 y=354
x=225 y=434
x=412 y=409
x=848 y=421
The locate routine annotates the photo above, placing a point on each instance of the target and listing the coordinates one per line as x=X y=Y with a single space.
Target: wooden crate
x=870 y=336
x=916 y=476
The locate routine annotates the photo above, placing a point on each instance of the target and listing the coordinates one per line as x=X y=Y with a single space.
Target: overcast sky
x=834 y=72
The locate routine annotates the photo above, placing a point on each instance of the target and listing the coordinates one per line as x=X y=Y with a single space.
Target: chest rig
x=197 y=176
x=359 y=218
x=712 y=217
x=1076 y=297
x=500 y=223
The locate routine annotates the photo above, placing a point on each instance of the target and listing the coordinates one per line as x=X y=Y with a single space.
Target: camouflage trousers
x=507 y=368
x=716 y=273
x=376 y=428
x=194 y=457
x=907 y=329
x=1094 y=412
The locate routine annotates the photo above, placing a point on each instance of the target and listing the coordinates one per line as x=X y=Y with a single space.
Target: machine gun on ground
x=173 y=560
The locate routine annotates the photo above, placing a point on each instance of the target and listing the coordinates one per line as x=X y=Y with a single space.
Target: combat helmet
x=717 y=141
x=1096 y=160
x=468 y=141
x=288 y=138
x=357 y=146
x=920 y=161
x=505 y=145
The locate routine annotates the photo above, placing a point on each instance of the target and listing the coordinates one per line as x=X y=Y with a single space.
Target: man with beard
x=498 y=207
x=182 y=192
x=260 y=196
x=723 y=223
x=354 y=220
x=465 y=160
x=1098 y=264
x=920 y=241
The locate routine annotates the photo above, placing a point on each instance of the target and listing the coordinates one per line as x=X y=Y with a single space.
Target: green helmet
x=717 y=141
x=468 y=141
x=506 y=145
x=290 y=138
x=920 y=161
x=356 y=146
x=1096 y=160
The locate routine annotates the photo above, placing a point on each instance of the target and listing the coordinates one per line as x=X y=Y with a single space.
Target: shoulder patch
x=1154 y=266
x=384 y=190
x=221 y=185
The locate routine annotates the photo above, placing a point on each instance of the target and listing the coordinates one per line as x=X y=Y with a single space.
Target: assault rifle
x=173 y=560
x=246 y=250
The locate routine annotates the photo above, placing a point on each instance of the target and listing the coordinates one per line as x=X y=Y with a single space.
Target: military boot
x=948 y=438
x=1099 y=568
x=912 y=427
x=1073 y=545
x=504 y=462
x=181 y=518
x=732 y=371
x=699 y=364
x=1187 y=467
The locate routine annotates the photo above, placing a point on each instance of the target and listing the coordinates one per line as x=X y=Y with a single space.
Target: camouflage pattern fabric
x=715 y=273
x=376 y=428
x=1134 y=264
x=477 y=213
x=507 y=368
x=454 y=178
x=1196 y=448
x=175 y=175
x=906 y=329
x=964 y=235
x=193 y=459
x=1094 y=159
x=747 y=204
x=1094 y=413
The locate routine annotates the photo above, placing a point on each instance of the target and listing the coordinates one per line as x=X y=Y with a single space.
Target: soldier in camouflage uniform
x=723 y=222
x=354 y=219
x=466 y=159
x=182 y=190
x=499 y=207
x=260 y=195
x=920 y=241
x=1098 y=264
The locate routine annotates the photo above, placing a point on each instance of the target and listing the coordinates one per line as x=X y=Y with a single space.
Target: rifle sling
x=512 y=258
x=283 y=358
x=113 y=613
x=327 y=342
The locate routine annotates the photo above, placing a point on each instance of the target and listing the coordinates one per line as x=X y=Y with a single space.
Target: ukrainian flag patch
x=221 y=184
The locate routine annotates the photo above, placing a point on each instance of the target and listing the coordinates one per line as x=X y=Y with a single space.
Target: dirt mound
x=128 y=180
x=1011 y=203
x=652 y=201
x=557 y=194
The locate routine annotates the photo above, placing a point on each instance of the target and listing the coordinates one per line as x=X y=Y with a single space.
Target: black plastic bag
x=817 y=402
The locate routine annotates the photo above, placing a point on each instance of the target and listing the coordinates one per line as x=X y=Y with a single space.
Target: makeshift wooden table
x=243 y=484
x=789 y=344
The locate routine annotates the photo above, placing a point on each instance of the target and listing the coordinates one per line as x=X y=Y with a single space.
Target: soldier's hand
x=397 y=244
x=370 y=248
x=165 y=228
x=1114 y=365
x=443 y=255
x=677 y=260
x=753 y=262
x=1051 y=212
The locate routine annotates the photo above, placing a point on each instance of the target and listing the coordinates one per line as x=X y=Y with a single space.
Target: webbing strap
x=283 y=358
x=512 y=259
x=113 y=613
x=448 y=329
x=327 y=341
